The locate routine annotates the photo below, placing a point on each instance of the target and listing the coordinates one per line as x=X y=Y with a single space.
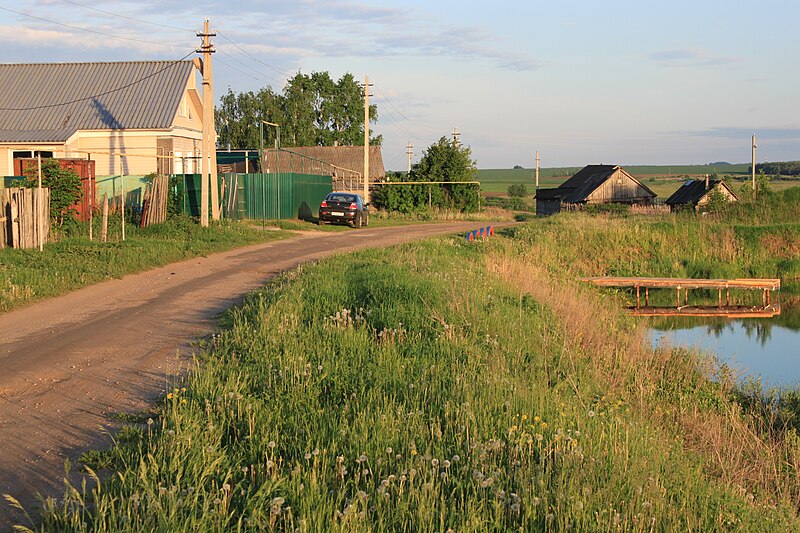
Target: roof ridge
x=97 y=62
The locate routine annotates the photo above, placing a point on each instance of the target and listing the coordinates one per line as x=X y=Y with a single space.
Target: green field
x=662 y=180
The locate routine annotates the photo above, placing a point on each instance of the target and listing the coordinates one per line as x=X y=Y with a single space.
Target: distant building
x=594 y=184
x=697 y=193
x=123 y=115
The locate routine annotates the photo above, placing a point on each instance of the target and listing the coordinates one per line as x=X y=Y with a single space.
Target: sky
x=582 y=82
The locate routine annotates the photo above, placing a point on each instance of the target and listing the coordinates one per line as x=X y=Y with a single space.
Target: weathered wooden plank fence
x=154 y=210
x=25 y=217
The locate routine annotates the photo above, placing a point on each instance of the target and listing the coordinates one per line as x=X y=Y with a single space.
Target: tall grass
x=432 y=387
x=74 y=261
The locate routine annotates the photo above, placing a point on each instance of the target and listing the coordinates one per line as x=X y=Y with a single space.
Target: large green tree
x=313 y=110
x=443 y=161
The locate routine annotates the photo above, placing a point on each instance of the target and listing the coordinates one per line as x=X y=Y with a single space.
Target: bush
x=65 y=189
x=517 y=190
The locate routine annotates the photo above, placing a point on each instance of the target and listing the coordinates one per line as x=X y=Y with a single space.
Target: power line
x=251 y=56
x=97 y=32
x=429 y=128
x=131 y=84
x=127 y=17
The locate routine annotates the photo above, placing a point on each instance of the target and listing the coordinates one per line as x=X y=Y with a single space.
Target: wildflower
x=272 y=444
x=591 y=414
x=315 y=452
x=183 y=401
x=391 y=478
x=435 y=462
x=389 y=450
x=456 y=458
x=362 y=458
x=170 y=396
x=270 y=464
x=385 y=482
x=524 y=418
x=307 y=456
x=171 y=432
x=544 y=425
x=515 y=508
x=446 y=463
x=226 y=487
x=183 y=389
x=149 y=421
x=536 y=501
x=363 y=496
x=414 y=452
x=403 y=478
x=537 y=419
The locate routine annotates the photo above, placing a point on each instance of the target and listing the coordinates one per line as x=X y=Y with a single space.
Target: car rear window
x=341 y=198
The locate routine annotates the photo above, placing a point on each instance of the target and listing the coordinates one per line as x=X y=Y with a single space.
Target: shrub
x=65 y=188
x=517 y=190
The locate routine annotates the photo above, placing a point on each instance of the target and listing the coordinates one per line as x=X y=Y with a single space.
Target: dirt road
x=69 y=363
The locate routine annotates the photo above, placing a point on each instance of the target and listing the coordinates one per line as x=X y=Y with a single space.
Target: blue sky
x=582 y=81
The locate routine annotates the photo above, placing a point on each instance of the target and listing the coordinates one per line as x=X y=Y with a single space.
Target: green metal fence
x=257 y=196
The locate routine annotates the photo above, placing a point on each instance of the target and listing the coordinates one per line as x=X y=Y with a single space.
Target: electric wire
x=251 y=56
x=127 y=17
x=97 y=32
x=386 y=99
x=122 y=88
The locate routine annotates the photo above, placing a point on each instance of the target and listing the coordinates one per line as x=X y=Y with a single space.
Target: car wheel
x=357 y=222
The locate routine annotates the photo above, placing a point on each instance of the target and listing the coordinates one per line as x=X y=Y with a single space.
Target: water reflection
x=768 y=348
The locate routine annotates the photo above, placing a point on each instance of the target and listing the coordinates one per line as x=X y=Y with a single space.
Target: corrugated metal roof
x=49 y=102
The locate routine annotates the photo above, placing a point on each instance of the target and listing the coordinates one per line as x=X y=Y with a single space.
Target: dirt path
x=67 y=364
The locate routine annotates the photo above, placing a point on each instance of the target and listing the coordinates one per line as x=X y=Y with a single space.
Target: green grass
x=433 y=386
x=75 y=261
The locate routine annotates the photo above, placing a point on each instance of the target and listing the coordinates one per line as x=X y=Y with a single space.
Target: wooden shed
x=697 y=193
x=594 y=184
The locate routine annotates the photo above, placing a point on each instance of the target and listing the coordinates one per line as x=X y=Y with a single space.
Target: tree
x=443 y=161
x=65 y=188
x=313 y=110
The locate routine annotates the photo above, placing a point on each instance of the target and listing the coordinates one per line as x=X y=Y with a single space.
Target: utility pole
x=209 y=149
x=537 y=170
x=366 y=138
x=753 y=168
x=456 y=133
x=409 y=153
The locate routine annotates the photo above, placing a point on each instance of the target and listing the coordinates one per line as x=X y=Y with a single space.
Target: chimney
x=706 y=181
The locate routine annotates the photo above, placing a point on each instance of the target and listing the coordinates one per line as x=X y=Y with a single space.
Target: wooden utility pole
x=537 y=170
x=409 y=153
x=209 y=149
x=753 y=168
x=366 y=138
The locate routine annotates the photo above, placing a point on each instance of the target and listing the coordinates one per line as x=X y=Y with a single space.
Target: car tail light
x=323 y=204
x=353 y=206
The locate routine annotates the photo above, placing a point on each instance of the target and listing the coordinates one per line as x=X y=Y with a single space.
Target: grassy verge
x=442 y=386
x=73 y=262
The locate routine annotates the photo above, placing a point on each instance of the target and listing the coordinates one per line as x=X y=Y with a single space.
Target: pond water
x=768 y=348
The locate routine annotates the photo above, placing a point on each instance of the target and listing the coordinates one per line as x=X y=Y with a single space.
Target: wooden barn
x=697 y=194
x=594 y=184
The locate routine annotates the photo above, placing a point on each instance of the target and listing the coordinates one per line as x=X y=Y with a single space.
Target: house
x=594 y=184
x=130 y=118
x=697 y=193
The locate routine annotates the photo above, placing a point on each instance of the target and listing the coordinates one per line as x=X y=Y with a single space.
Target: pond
x=768 y=348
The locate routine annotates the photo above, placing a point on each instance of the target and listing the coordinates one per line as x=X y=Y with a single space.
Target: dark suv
x=344 y=207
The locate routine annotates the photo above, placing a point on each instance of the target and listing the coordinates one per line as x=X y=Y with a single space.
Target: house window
x=183 y=110
x=28 y=154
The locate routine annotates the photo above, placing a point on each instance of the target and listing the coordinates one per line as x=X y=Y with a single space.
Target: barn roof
x=49 y=102
x=693 y=191
x=580 y=186
x=348 y=157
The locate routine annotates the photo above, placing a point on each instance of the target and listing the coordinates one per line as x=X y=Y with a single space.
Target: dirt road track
x=67 y=364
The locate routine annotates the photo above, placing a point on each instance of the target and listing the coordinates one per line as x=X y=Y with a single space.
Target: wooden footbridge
x=682 y=287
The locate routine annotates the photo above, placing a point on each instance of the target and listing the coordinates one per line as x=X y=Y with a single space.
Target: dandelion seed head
x=389 y=450
x=591 y=414
x=435 y=462
x=307 y=456
x=456 y=458
x=272 y=444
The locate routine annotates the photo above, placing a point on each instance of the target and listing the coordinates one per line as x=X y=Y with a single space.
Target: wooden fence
x=25 y=217
x=154 y=209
